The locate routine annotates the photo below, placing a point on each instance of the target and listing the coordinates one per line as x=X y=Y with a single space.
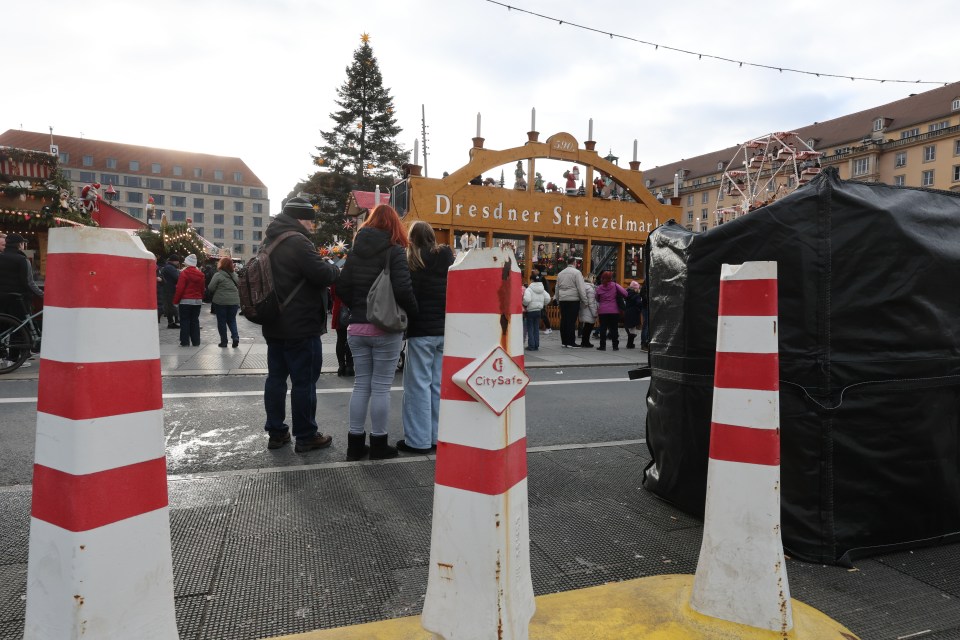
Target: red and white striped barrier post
x=741 y=575
x=479 y=583
x=100 y=562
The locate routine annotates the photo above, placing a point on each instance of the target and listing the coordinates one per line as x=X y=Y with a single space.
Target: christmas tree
x=363 y=140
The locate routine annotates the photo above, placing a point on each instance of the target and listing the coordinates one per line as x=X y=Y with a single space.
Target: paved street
x=271 y=542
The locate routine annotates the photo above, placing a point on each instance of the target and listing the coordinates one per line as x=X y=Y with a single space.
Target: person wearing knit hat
x=294 y=353
x=189 y=296
x=16 y=277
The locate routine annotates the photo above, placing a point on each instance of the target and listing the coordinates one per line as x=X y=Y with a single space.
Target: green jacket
x=225 y=288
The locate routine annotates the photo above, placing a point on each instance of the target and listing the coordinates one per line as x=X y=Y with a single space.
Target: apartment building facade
x=911 y=142
x=226 y=202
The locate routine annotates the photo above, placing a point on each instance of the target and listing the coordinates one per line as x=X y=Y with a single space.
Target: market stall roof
x=110 y=217
x=360 y=202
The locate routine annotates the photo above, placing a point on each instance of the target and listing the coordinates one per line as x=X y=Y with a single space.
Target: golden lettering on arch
x=563 y=146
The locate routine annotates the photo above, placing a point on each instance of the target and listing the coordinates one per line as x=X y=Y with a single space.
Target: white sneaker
x=548 y=331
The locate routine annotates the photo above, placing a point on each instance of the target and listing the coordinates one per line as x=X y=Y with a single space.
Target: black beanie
x=300 y=209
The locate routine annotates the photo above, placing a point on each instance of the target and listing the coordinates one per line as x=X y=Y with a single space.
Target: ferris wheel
x=764 y=170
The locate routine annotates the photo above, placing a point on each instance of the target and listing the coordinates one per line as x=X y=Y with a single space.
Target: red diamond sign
x=494 y=379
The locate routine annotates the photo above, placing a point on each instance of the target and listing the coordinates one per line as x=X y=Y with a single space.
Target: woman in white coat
x=588 y=312
x=535 y=298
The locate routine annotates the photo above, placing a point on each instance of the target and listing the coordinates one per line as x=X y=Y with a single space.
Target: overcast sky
x=257 y=78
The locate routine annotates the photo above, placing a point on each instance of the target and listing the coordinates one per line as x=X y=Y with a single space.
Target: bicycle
x=18 y=338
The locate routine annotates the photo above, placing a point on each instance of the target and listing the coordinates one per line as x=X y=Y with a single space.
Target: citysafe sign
x=558 y=219
x=494 y=379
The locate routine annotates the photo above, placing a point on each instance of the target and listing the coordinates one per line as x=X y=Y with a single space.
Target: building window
x=900 y=160
x=237 y=249
x=955 y=106
x=956 y=147
x=132 y=181
x=899 y=181
x=258 y=222
x=196 y=187
x=705 y=197
x=926 y=180
x=257 y=207
x=198 y=217
x=158 y=198
x=218 y=234
x=956 y=173
x=861 y=166
x=87 y=161
x=690 y=200
x=238 y=221
x=67 y=174
x=938 y=125
x=134 y=165
x=136 y=212
x=109 y=178
x=690 y=215
x=257 y=235
x=178 y=185
x=199 y=230
x=255 y=248
x=179 y=216
x=237 y=176
x=878 y=124
x=238 y=234
x=930 y=153
x=238 y=206
x=88 y=176
x=909 y=133
x=218 y=218
x=198 y=203
x=215 y=189
x=154 y=183
x=256 y=193
x=791 y=183
x=218 y=174
x=177 y=170
x=178 y=201
x=218 y=205
x=111 y=163
x=134 y=196
x=236 y=192
x=197 y=172
x=155 y=167
x=64 y=157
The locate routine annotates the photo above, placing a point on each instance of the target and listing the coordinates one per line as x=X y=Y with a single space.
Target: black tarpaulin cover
x=869 y=328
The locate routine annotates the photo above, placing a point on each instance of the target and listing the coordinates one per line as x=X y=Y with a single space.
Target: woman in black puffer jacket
x=375 y=351
x=429 y=263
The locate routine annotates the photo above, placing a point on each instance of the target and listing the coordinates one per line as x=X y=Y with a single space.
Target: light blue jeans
x=375 y=363
x=421 y=391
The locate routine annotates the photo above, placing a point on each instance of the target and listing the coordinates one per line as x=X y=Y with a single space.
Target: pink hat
x=635 y=285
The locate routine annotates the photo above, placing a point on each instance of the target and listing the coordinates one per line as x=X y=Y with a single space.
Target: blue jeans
x=533 y=330
x=375 y=363
x=421 y=391
x=300 y=360
x=227 y=317
x=190 y=324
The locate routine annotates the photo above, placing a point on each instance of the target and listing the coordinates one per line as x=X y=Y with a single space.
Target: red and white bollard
x=479 y=582
x=741 y=575
x=100 y=562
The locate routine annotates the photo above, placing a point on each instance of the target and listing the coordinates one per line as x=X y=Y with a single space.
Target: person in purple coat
x=608 y=308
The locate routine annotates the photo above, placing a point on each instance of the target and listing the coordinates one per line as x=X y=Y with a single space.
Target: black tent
x=869 y=312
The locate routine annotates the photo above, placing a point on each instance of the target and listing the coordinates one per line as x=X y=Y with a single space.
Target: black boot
x=379 y=449
x=356 y=446
x=630 y=338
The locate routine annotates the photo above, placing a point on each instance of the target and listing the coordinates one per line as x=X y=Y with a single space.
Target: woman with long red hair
x=382 y=236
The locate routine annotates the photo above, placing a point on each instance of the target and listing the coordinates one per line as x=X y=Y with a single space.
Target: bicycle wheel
x=14 y=344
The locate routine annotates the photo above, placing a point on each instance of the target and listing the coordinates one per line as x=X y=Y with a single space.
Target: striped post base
x=100 y=564
x=741 y=575
x=479 y=583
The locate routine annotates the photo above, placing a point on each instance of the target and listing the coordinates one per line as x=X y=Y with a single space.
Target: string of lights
x=701 y=56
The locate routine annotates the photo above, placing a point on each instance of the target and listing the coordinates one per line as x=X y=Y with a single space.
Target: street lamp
x=111 y=194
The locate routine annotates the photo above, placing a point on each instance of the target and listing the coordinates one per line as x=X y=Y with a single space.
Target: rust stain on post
x=503 y=297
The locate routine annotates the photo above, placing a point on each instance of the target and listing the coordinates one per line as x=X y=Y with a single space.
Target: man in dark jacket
x=170 y=274
x=293 y=340
x=16 y=278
